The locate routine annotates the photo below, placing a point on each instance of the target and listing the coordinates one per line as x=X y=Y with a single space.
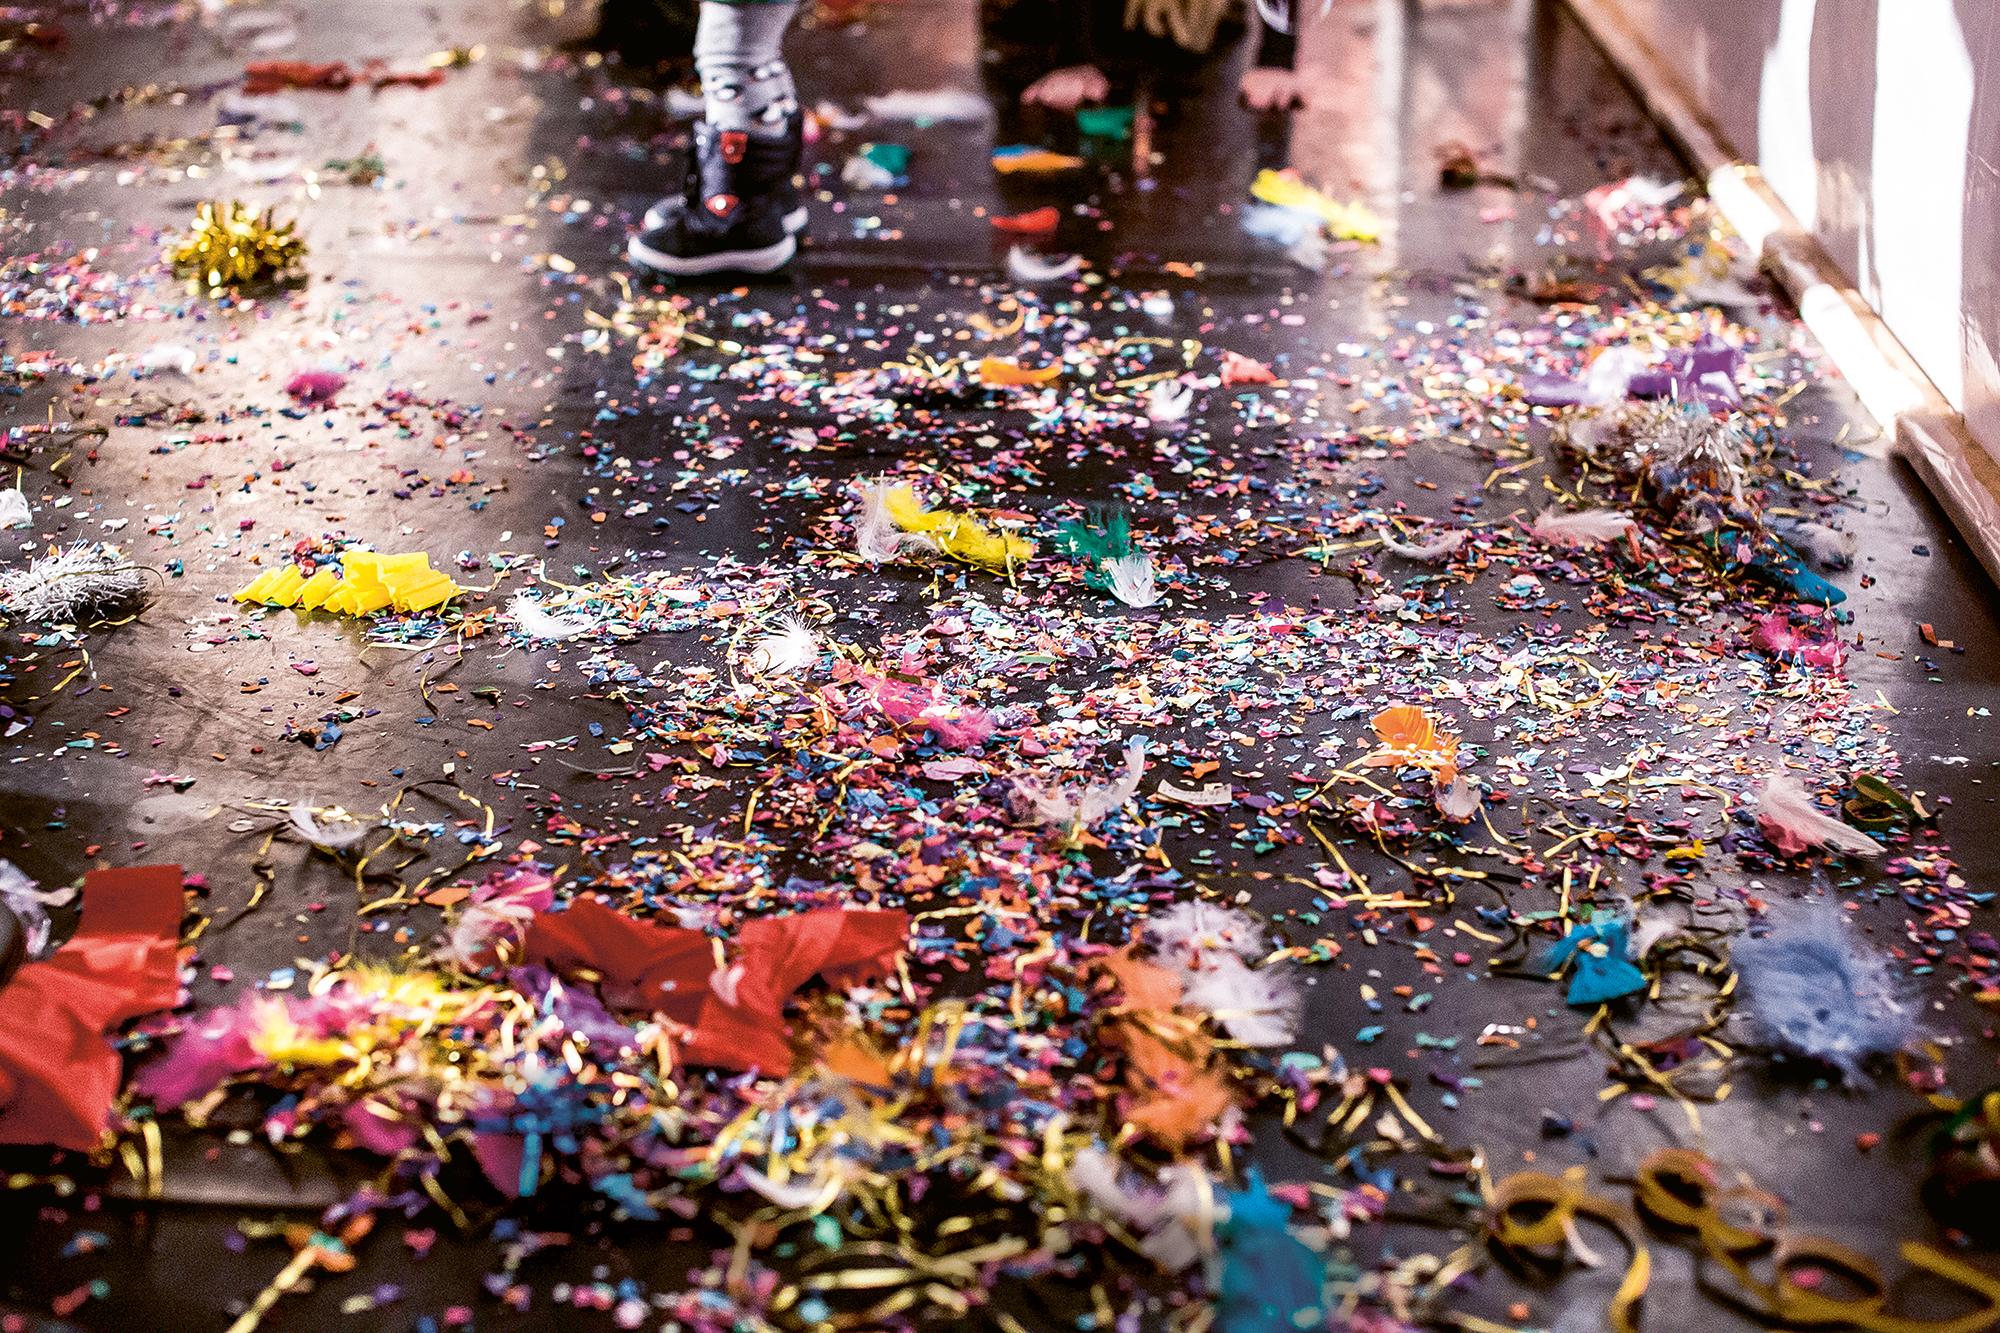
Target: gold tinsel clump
x=233 y=245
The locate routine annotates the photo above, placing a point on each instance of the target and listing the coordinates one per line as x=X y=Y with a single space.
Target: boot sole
x=659 y=214
x=767 y=259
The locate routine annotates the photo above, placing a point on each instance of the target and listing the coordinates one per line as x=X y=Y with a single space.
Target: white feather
x=1286 y=226
x=1256 y=1006
x=1312 y=251
x=480 y=928
x=351 y=833
x=1610 y=375
x=28 y=904
x=1024 y=265
x=1585 y=527
x=1786 y=803
x=1831 y=547
x=1169 y=401
x=1053 y=805
x=1132 y=580
x=1187 y=929
x=1209 y=948
x=1460 y=801
x=1588 y=430
x=15 y=512
x=525 y=610
x=1648 y=930
x=1176 y=1246
x=1188 y=1216
x=1094 y=1173
x=63 y=585
x=939 y=105
x=167 y=359
x=876 y=536
x=1437 y=548
x=789 y=649
x=865 y=173
x=1173 y=1216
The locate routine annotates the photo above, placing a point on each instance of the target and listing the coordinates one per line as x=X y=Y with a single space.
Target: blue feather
x=1602 y=950
x=1812 y=992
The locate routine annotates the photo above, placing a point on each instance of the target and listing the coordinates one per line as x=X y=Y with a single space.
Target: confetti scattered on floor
x=1179 y=744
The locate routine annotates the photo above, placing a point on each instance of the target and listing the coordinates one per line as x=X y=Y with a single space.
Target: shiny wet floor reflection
x=472 y=279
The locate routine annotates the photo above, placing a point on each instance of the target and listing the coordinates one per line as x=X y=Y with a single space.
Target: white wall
x=1878 y=123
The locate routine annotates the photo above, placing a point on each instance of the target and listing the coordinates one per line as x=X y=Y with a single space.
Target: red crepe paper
x=270 y=76
x=58 y=1075
x=733 y=1014
x=1040 y=222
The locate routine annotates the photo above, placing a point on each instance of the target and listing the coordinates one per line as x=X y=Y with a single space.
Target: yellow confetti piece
x=367 y=582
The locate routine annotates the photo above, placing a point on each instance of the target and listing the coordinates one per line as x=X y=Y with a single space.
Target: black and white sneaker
x=774 y=154
x=739 y=213
x=664 y=211
x=776 y=157
x=743 y=239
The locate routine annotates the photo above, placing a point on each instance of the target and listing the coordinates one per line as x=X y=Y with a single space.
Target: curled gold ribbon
x=1532 y=1218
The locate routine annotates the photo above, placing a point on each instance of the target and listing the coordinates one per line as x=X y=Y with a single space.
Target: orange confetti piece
x=1410 y=739
x=1001 y=373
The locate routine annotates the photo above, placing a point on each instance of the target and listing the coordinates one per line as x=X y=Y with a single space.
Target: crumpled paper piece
x=58 y=1074
x=731 y=1008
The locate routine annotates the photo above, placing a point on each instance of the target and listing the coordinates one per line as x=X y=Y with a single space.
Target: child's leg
x=740 y=208
x=1272 y=82
x=739 y=54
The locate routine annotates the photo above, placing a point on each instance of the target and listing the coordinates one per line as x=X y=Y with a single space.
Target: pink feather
x=1789 y=818
x=1585 y=527
x=1776 y=635
x=917 y=704
x=315 y=386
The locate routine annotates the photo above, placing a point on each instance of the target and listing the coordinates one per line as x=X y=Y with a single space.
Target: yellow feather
x=960 y=536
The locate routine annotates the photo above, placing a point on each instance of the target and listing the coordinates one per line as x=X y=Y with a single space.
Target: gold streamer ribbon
x=1532 y=1220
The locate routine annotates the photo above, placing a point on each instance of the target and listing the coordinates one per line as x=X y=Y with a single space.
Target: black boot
x=732 y=217
x=786 y=153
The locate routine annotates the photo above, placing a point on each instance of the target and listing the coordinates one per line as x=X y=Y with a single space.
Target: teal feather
x=1272 y=1282
x=1103 y=536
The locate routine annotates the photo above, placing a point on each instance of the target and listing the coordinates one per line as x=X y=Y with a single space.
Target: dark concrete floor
x=461 y=290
